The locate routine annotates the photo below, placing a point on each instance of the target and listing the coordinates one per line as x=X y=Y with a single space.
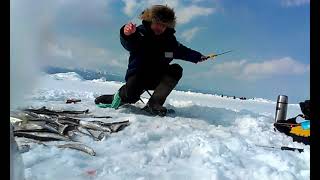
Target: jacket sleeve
x=184 y=53
x=131 y=42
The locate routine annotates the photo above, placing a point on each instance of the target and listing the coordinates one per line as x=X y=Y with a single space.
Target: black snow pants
x=140 y=82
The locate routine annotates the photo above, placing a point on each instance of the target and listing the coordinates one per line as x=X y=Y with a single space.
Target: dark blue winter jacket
x=151 y=54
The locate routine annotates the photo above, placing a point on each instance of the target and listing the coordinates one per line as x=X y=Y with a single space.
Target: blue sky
x=270 y=39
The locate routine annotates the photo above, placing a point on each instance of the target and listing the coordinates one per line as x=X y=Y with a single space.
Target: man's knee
x=175 y=71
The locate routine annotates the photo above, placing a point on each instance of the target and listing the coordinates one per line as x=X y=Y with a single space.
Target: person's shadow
x=212 y=115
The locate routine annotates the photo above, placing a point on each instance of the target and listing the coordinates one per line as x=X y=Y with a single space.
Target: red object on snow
x=92 y=172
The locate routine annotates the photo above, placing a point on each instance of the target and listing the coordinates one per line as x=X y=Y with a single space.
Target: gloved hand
x=203 y=58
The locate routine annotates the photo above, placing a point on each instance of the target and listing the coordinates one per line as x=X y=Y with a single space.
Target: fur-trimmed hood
x=161 y=14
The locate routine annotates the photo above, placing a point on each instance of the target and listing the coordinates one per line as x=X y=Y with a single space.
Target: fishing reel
x=215 y=55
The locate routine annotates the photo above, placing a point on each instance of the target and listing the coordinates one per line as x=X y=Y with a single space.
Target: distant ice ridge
x=76 y=76
x=67 y=76
x=63 y=85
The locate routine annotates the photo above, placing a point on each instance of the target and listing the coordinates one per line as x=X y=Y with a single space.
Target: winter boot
x=109 y=101
x=161 y=92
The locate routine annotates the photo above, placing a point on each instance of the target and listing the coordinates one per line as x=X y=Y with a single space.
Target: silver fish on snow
x=42 y=136
x=79 y=147
x=94 y=126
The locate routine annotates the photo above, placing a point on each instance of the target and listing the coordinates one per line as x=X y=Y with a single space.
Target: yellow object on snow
x=300 y=132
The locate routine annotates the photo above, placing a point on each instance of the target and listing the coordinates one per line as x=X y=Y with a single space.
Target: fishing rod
x=282 y=148
x=215 y=55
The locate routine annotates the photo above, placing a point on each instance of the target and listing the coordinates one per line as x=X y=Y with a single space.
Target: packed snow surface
x=209 y=137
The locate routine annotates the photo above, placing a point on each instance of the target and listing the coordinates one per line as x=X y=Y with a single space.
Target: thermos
x=281 y=108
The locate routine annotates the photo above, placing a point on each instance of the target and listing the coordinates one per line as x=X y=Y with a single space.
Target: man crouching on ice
x=152 y=47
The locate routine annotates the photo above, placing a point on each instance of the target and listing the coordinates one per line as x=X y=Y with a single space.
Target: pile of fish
x=44 y=125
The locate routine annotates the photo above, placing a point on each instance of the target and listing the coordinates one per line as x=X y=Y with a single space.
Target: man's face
x=158 y=28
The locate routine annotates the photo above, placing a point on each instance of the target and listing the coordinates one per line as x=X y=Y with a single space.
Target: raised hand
x=129 y=29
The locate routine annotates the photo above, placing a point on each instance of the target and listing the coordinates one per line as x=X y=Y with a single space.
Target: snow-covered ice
x=209 y=137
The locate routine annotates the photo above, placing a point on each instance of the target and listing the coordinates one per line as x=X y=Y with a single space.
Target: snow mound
x=67 y=76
